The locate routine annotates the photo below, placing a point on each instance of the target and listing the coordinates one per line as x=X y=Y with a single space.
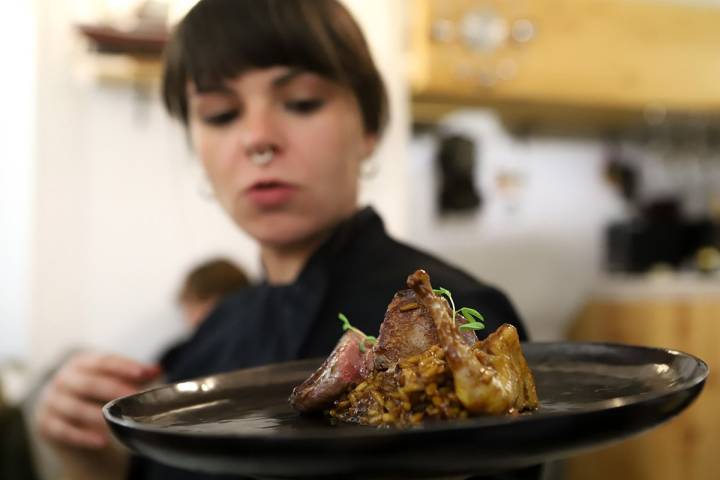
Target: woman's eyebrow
x=287 y=77
x=211 y=88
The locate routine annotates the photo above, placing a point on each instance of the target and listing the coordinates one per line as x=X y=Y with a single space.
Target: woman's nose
x=260 y=132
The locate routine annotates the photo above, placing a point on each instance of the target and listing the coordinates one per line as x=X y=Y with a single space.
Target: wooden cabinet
x=596 y=59
x=678 y=314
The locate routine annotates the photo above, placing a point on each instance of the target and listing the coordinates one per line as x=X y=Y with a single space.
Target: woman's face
x=282 y=149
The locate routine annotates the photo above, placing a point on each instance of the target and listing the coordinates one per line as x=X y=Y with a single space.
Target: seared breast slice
x=408 y=330
x=345 y=366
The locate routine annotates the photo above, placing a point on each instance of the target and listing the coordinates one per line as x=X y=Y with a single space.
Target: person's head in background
x=283 y=103
x=205 y=285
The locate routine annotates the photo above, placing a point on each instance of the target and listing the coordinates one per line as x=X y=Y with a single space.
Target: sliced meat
x=345 y=366
x=408 y=329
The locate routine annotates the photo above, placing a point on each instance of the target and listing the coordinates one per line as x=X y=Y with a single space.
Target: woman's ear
x=371 y=141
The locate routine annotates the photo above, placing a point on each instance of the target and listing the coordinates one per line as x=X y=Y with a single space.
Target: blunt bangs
x=220 y=39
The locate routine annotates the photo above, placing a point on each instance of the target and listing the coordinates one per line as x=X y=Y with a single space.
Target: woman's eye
x=222 y=118
x=304 y=106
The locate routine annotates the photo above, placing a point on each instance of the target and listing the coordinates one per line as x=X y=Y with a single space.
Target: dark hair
x=215 y=278
x=219 y=39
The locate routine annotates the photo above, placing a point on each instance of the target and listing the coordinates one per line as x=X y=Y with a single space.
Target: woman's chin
x=290 y=228
x=283 y=235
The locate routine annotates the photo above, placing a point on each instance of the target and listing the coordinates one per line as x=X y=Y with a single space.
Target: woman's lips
x=268 y=194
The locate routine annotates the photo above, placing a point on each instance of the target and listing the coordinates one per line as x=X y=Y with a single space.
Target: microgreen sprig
x=474 y=318
x=347 y=326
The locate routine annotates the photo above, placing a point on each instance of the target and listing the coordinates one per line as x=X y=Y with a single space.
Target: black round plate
x=241 y=423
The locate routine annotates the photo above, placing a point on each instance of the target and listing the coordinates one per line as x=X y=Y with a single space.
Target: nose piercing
x=262 y=157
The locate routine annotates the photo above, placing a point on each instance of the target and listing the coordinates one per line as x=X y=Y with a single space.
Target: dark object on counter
x=457 y=173
x=241 y=422
x=622 y=174
x=638 y=246
x=660 y=237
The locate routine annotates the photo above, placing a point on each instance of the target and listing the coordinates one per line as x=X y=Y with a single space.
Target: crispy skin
x=497 y=379
x=343 y=367
x=407 y=330
x=501 y=352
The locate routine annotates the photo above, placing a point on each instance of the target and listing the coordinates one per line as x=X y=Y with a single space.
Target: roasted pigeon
x=422 y=367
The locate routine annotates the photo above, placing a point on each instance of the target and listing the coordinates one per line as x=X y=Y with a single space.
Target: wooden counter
x=681 y=313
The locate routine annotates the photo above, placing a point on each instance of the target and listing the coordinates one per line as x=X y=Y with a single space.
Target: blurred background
x=567 y=151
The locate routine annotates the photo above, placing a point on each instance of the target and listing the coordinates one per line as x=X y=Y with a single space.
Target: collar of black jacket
x=365 y=222
x=309 y=291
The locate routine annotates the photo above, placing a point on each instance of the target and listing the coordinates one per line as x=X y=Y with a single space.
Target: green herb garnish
x=347 y=326
x=474 y=318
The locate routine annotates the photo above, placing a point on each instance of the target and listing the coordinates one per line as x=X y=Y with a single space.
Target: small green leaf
x=442 y=291
x=471 y=315
x=370 y=339
x=345 y=322
x=472 y=326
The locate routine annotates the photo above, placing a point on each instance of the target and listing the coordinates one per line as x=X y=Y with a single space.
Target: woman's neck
x=284 y=264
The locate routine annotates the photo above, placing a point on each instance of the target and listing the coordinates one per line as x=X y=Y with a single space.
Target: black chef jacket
x=356 y=271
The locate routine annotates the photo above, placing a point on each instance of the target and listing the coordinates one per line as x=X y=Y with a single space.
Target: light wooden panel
x=609 y=55
x=688 y=447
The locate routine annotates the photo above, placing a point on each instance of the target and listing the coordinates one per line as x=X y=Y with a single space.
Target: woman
x=282 y=103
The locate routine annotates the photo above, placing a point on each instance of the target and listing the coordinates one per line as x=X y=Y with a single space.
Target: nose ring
x=262 y=157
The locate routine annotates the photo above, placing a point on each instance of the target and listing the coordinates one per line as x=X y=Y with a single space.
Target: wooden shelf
x=123 y=58
x=107 y=39
x=593 y=61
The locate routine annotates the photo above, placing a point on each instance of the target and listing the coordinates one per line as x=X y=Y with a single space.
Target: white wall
x=543 y=243
x=118 y=215
x=388 y=188
x=17 y=96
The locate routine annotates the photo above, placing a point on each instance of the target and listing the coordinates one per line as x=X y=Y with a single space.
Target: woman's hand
x=69 y=412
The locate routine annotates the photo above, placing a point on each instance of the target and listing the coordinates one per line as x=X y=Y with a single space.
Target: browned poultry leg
x=490 y=380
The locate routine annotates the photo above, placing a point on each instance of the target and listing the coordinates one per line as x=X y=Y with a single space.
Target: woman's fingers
x=68 y=421
x=77 y=411
x=70 y=411
x=57 y=429
x=103 y=377
x=116 y=366
x=92 y=386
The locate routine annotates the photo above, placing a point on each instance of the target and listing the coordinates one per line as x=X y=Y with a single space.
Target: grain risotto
x=417 y=389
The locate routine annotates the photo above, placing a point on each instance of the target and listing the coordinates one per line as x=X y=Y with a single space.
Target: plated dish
x=426 y=365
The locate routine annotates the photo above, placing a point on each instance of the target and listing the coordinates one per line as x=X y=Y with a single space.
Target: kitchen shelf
x=592 y=62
